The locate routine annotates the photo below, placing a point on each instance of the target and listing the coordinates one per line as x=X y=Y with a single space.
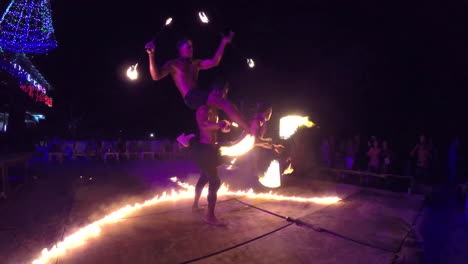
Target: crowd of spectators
x=421 y=160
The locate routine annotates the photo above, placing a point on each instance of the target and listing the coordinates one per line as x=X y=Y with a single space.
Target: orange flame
x=288 y=170
x=244 y=146
x=290 y=124
x=272 y=177
x=81 y=236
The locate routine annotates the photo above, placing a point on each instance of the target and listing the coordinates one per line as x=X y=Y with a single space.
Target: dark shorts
x=196 y=98
x=206 y=156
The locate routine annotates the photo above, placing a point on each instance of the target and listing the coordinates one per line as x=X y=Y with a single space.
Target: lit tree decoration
x=26 y=26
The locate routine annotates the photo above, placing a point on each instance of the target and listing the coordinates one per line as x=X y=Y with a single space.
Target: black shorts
x=196 y=98
x=206 y=156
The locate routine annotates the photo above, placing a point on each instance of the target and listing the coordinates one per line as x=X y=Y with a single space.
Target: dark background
x=392 y=69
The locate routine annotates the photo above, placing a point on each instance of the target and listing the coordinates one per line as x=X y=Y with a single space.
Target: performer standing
x=205 y=150
x=184 y=71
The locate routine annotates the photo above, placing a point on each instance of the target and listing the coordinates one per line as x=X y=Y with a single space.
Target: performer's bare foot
x=196 y=209
x=184 y=140
x=214 y=221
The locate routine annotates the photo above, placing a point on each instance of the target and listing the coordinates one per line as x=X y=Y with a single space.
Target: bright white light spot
x=152 y=135
x=234 y=124
x=203 y=17
x=168 y=21
x=132 y=72
x=251 y=63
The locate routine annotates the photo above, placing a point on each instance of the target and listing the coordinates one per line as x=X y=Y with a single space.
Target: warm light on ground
x=81 y=236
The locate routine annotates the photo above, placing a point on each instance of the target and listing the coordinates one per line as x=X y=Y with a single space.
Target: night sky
x=391 y=69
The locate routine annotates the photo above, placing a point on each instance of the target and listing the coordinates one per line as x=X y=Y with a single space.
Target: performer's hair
x=182 y=41
x=262 y=106
x=219 y=84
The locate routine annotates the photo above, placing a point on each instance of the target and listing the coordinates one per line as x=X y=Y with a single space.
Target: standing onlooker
x=350 y=154
x=452 y=159
x=374 y=153
x=423 y=156
x=325 y=153
x=386 y=157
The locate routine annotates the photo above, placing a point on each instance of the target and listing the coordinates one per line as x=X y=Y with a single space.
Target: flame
x=232 y=163
x=132 y=72
x=244 y=146
x=251 y=63
x=168 y=21
x=272 y=177
x=290 y=124
x=224 y=190
x=288 y=170
x=203 y=17
x=80 y=237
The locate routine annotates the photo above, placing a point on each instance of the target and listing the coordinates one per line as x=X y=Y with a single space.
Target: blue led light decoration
x=26 y=26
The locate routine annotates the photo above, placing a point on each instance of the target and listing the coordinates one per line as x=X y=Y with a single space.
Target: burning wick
x=203 y=17
x=290 y=124
x=132 y=72
x=168 y=21
x=251 y=63
x=244 y=146
x=288 y=170
x=272 y=177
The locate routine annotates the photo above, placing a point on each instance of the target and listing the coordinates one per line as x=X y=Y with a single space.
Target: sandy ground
x=368 y=226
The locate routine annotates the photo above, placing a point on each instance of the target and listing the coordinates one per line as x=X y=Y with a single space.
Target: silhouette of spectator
x=350 y=154
x=422 y=153
x=325 y=153
x=374 y=154
x=387 y=158
x=453 y=159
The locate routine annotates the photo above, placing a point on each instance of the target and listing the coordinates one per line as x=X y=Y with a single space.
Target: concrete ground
x=367 y=226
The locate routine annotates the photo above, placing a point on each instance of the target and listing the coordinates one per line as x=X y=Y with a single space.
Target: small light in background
x=152 y=135
x=203 y=18
x=251 y=63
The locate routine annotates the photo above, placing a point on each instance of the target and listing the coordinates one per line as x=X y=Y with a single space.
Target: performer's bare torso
x=209 y=114
x=185 y=74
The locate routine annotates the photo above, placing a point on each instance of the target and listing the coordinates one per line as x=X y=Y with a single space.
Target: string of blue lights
x=26 y=26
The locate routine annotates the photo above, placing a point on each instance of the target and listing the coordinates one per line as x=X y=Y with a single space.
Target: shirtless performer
x=205 y=150
x=184 y=71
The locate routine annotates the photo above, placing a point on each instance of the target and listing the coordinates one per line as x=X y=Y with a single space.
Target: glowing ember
x=168 y=21
x=132 y=72
x=290 y=124
x=272 y=177
x=244 y=146
x=251 y=63
x=232 y=164
x=81 y=236
x=203 y=17
x=288 y=170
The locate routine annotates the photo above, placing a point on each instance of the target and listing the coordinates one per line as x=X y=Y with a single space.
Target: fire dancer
x=206 y=153
x=184 y=71
x=258 y=126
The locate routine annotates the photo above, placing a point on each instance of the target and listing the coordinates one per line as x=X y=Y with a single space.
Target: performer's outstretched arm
x=207 y=64
x=156 y=74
